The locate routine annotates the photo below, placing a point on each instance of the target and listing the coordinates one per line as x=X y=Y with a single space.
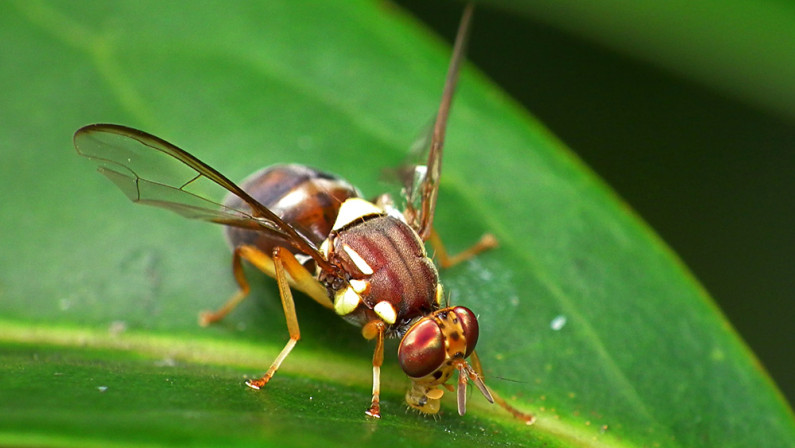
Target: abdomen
x=306 y=198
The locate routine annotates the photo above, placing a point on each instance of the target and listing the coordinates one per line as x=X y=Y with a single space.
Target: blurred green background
x=707 y=160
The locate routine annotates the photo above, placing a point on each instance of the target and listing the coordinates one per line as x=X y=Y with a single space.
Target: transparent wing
x=421 y=182
x=151 y=171
x=411 y=172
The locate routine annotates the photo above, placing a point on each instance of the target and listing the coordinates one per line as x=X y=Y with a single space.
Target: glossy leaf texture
x=587 y=319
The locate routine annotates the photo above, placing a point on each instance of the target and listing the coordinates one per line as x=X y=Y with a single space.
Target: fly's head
x=432 y=350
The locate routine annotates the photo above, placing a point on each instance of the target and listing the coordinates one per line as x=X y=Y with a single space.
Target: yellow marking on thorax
x=386 y=311
x=353 y=209
x=357 y=259
x=360 y=286
x=345 y=301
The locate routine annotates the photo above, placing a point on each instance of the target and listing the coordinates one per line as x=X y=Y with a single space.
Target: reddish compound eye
x=470 y=324
x=422 y=349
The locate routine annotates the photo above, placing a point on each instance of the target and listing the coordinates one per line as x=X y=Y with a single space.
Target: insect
x=313 y=232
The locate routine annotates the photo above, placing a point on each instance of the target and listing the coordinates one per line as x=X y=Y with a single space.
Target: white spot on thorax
x=385 y=311
x=357 y=259
x=353 y=209
x=346 y=301
x=359 y=286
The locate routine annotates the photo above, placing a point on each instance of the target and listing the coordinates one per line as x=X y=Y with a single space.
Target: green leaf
x=587 y=319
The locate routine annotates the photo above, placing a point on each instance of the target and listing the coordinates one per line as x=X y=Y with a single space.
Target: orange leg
x=297 y=276
x=375 y=330
x=279 y=254
x=210 y=317
x=287 y=271
x=528 y=419
x=486 y=242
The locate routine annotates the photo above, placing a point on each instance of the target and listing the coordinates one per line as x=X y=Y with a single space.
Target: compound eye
x=470 y=325
x=422 y=349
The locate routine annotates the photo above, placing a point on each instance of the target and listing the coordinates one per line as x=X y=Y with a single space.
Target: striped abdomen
x=307 y=199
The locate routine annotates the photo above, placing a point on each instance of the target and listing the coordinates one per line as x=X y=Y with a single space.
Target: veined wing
x=151 y=171
x=421 y=183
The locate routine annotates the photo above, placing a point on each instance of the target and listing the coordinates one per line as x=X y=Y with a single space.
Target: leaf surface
x=587 y=319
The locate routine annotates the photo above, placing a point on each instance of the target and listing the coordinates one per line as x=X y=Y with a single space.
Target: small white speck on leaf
x=166 y=362
x=117 y=327
x=558 y=322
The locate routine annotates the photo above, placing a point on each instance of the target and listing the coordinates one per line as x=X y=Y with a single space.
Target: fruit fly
x=312 y=231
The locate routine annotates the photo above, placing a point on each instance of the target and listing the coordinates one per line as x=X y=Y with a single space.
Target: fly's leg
x=528 y=419
x=375 y=330
x=298 y=277
x=287 y=271
x=210 y=317
x=284 y=262
x=486 y=242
